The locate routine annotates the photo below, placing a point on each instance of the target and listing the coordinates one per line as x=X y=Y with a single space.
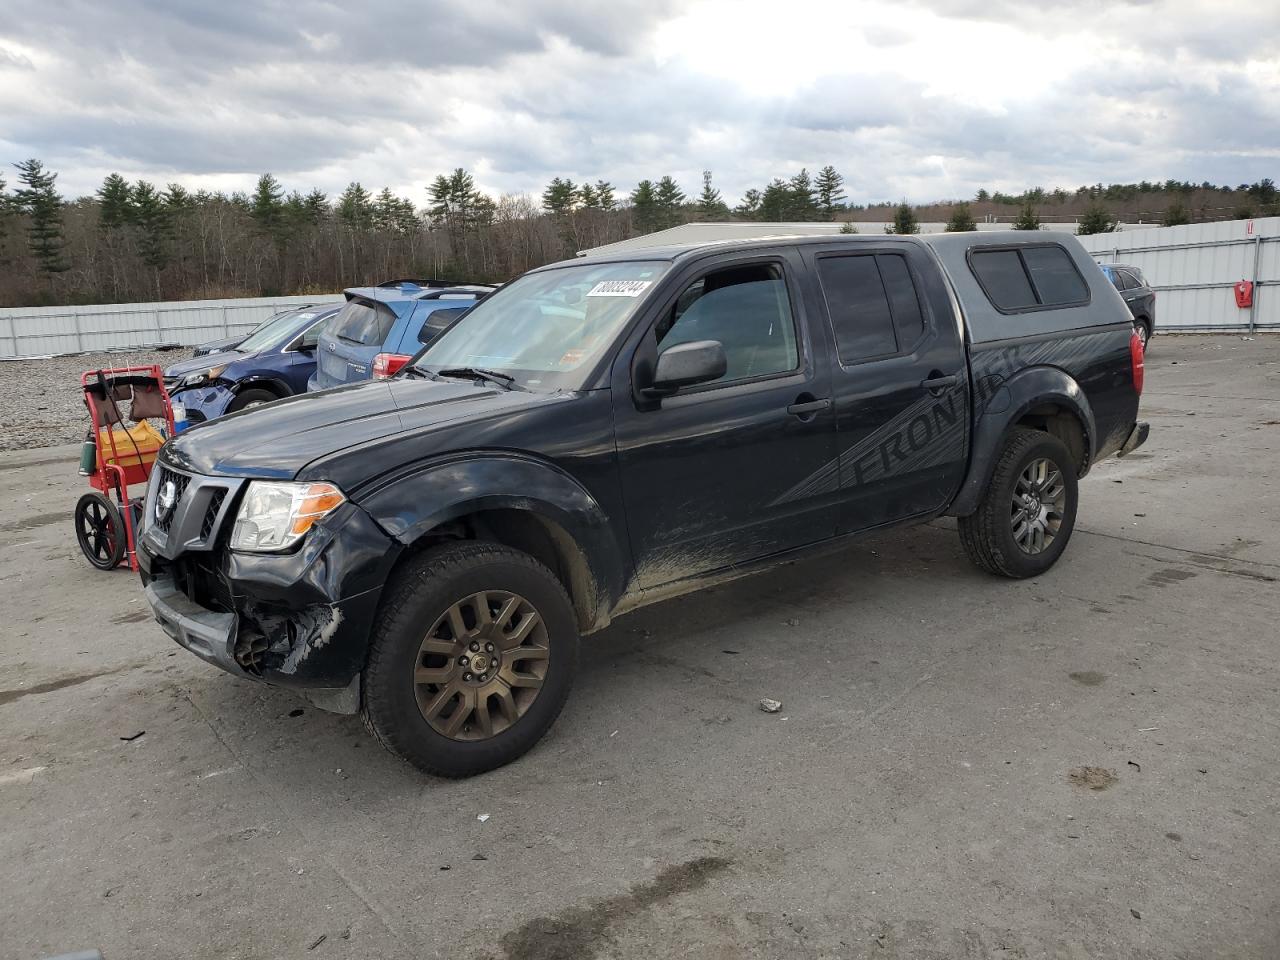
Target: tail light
x=1136 y=361
x=388 y=364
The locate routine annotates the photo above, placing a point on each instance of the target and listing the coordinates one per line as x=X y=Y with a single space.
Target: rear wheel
x=1026 y=516
x=1143 y=329
x=100 y=531
x=251 y=398
x=472 y=658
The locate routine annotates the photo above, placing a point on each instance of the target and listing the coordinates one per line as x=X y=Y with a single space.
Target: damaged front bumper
x=300 y=619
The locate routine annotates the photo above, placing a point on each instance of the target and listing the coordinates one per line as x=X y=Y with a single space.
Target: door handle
x=938 y=384
x=806 y=407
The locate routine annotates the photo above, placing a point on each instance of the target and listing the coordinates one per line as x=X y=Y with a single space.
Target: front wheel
x=100 y=531
x=1026 y=516
x=473 y=654
x=250 y=398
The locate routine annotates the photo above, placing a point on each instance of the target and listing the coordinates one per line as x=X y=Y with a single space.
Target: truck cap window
x=873 y=304
x=747 y=310
x=546 y=328
x=1028 y=278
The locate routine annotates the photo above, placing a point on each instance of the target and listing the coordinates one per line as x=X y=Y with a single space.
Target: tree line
x=139 y=241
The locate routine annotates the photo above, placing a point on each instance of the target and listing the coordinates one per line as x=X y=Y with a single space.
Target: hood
x=216 y=346
x=276 y=441
x=184 y=368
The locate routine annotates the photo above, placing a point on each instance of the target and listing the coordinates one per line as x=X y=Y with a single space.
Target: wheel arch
x=552 y=518
x=262 y=381
x=1042 y=398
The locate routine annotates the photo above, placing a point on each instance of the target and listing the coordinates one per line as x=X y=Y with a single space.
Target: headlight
x=274 y=516
x=195 y=379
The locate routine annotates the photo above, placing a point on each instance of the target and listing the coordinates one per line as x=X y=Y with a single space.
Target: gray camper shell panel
x=985 y=323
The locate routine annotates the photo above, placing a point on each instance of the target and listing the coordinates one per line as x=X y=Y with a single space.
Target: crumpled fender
x=412 y=502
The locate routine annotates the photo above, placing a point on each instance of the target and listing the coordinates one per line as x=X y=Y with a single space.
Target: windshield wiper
x=476 y=373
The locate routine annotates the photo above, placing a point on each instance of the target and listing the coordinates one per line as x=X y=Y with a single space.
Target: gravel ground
x=45 y=405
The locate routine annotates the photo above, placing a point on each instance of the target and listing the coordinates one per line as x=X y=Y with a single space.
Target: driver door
x=722 y=473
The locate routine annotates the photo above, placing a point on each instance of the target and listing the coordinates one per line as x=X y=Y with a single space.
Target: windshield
x=274 y=332
x=546 y=329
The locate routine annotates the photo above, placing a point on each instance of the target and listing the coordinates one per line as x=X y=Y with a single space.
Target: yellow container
x=135 y=446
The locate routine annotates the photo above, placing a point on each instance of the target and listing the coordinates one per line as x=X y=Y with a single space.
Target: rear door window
x=364 y=323
x=437 y=321
x=873 y=304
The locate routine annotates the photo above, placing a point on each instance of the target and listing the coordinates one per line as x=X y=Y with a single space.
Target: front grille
x=210 y=522
x=199 y=580
x=180 y=482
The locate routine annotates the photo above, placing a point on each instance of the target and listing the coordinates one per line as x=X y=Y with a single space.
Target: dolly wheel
x=100 y=531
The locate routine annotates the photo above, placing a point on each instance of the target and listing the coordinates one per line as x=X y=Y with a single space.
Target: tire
x=250 y=398
x=100 y=531
x=1144 y=332
x=991 y=534
x=411 y=694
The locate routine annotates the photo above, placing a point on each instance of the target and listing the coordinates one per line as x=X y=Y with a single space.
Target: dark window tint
x=363 y=323
x=1114 y=277
x=907 y=317
x=747 y=310
x=437 y=320
x=859 y=307
x=1129 y=281
x=1004 y=279
x=1055 y=277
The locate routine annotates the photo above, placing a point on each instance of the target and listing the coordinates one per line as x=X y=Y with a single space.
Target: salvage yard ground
x=1080 y=766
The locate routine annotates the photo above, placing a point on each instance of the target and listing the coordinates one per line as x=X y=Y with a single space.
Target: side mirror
x=686 y=364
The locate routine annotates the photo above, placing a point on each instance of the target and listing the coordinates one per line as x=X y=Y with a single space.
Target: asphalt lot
x=922 y=794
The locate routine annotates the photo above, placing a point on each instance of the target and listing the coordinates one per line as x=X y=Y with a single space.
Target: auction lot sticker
x=619 y=288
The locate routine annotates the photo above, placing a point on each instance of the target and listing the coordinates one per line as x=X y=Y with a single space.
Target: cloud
x=924 y=99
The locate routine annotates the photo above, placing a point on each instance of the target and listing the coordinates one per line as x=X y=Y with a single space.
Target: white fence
x=39 y=331
x=1194 y=268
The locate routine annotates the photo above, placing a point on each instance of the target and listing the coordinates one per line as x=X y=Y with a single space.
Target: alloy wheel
x=481 y=665
x=1039 y=502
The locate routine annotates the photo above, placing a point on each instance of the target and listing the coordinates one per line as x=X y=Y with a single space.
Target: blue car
x=379 y=329
x=276 y=360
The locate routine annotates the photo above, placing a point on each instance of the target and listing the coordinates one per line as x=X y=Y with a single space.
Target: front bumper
x=204 y=403
x=299 y=619
x=1137 y=437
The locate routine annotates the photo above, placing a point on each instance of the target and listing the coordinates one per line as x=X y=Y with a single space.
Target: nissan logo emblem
x=166 y=500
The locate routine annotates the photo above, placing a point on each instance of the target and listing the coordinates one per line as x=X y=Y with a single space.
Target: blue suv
x=380 y=328
x=276 y=360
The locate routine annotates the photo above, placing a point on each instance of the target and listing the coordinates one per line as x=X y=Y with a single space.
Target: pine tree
x=848 y=227
x=1175 y=215
x=176 y=197
x=961 y=220
x=6 y=214
x=982 y=196
x=560 y=197
x=644 y=207
x=587 y=197
x=830 y=188
x=904 y=220
x=316 y=206
x=669 y=198
x=38 y=198
x=749 y=208
x=605 y=198
x=1097 y=219
x=354 y=205
x=267 y=207
x=1028 y=219
x=776 y=201
x=804 y=203
x=710 y=204
x=115 y=202
x=154 y=222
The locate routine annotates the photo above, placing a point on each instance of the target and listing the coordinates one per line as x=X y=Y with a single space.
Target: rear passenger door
x=900 y=385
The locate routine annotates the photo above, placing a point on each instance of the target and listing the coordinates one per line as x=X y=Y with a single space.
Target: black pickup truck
x=607 y=432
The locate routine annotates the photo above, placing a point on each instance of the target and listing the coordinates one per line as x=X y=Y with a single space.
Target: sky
x=911 y=99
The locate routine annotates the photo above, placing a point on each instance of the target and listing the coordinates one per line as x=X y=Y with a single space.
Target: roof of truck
x=984 y=321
